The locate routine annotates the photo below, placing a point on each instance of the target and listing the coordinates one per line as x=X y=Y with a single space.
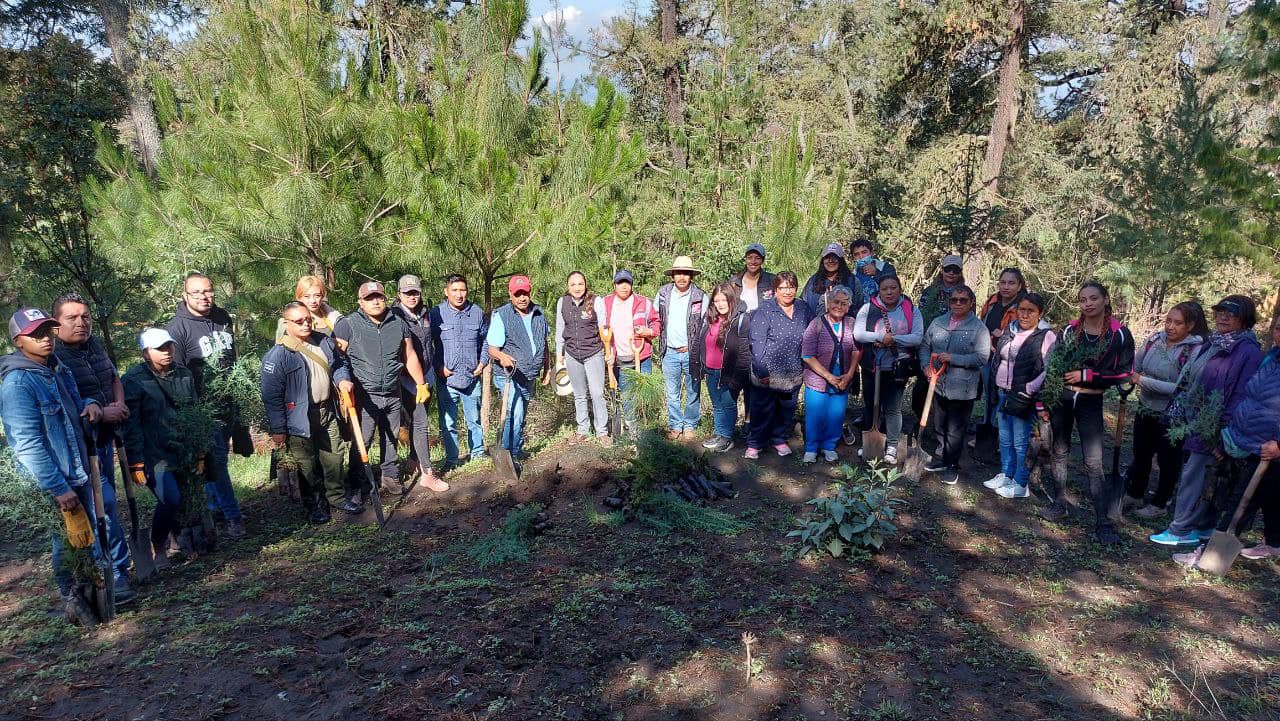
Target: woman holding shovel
x=889 y=330
x=830 y=355
x=957 y=346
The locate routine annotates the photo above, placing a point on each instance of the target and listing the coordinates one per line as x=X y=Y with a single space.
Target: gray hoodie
x=1160 y=367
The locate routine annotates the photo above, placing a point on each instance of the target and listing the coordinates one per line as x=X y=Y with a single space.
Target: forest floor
x=976 y=610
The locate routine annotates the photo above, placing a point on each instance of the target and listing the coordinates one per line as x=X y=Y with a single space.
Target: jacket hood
x=16 y=361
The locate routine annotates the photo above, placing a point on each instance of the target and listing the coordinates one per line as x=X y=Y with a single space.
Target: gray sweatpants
x=588 y=378
x=1190 y=512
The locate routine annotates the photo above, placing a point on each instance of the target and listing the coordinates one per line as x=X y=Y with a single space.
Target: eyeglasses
x=786 y=287
x=200 y=292
x=300 y=321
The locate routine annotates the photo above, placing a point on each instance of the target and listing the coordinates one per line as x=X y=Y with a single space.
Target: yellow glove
x=138 y=474
x=79 y=532
x=423 y=395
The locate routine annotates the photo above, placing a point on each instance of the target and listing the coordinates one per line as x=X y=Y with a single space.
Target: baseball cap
x=519 y=283
x=755 y=248
x=153 y=338
x=370 y=288
x=950 y=260
x=25 y=320
x=1228 y=305
x=833 y=249
x=409 y=282
x=623 y=276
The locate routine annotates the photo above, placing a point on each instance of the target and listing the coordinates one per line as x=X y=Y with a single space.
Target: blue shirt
x=677 y=329
x=498 y=332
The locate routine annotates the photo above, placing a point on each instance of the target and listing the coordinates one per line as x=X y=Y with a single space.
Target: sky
x=580 y=17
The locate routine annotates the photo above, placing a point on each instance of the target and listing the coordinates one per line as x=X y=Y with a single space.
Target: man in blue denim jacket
x=458 y=330
x=41 y=410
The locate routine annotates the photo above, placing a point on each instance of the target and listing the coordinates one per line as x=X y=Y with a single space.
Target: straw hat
x=684 y=264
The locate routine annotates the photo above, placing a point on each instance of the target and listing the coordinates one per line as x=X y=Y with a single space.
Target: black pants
x=773 y=416
x=1151 y=440
x=381 y=414
x=1083 y=412
x=949 y=420
x=1265 y=499
x=414 y=417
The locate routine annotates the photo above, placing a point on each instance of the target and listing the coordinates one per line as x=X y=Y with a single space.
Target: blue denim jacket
x=459 y=338
x=41 y=408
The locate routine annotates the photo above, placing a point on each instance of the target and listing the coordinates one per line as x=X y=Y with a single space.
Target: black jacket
x=151 y=433
x=736 y=373
x=199 y=338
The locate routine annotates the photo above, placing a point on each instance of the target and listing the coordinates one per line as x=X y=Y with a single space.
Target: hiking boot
x=751 y=454
x=1260 y=551
x=810 y=457
x=996 y=481
x=433 y=482
x=350 y=507
x=392 y=486
x=1013 y=490
x=318 y=516
x=1149 y=511
x=831 y=456
x=782 y=449
x=235 y=529
x=123 y=592
x=78 y=612
x=1055 y=511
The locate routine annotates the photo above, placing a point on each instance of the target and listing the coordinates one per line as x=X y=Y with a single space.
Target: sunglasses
x=300 y=321
x=952 y=269
x=960 y=301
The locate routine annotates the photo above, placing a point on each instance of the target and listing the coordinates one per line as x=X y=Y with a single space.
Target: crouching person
x=41 y=411
x=303 y=417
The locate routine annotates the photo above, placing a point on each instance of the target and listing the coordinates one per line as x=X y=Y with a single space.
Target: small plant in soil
x=667 y=486
x=511 y=541
x=859 y=515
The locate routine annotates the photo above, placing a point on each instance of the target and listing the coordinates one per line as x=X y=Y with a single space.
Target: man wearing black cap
x=417 y=318
x=42 y=411
x=378 y=347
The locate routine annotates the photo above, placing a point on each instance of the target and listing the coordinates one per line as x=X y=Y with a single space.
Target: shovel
x=104 y=601
x=1116 y=486
x=140 y=550
x=873 y=438
x=915 y=454
x=503 y=463
x=615 y=400
x=375 y=497
x=1225 y=546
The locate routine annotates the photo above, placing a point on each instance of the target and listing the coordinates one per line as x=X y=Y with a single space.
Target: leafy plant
x=28 y=516
x=859 y=514
x=1068 y=355
x=511 y=541
x=660 y=461
x=1196 y=413
x=647 y=393
x=236 y=387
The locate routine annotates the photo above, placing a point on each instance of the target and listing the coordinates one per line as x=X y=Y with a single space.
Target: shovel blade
x=1217 y=557
x=872 y=445
x=503 y=464
x=144 y=562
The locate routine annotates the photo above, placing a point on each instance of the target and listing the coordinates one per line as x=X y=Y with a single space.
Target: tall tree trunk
x=672 y=87
x=1217 y=15
x=1006 y=115
x=146 y=130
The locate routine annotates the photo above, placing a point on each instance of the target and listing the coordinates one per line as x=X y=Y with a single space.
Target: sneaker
x=318 y=517
x=1188 y=559
x=1013 y=490
x=810 y=457
x=997 y=481
x=752 y=454
x=235 y=529
x=891 y=455
x=1167 y=538
x=725 y=444
x=433 y=482
x=935 y=466
x=1261 y=551
x=350 y=507
x=711 y=443
x=949 y=477
x=123 y=592
x=783 y=449
x=831 y=456
x=1150 y=511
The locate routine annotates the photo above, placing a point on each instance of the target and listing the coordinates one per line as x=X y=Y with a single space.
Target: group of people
x=1208 y=404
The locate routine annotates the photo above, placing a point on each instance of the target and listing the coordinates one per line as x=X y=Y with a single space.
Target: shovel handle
x=359 y=437
x=1248 y=494
x=635 y=350
x=933 y=387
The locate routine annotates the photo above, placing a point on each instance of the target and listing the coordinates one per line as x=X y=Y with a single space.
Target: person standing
x=154 y=390
x=830 y=355
x=581 y=351
x=78 y=349
x=414 y=410
x=867 y=268
x=202 y=334
x=379 y=347
x=1099 y=351
x=312 y=293
x=1156 y=368
x=998 y=313
x=723 y=344
x=888 y=327
x=1219 y=372
x=42 y=413
x=458 y=329
x=518 y=342
x=957 y=345
x=1022 y=355
x=832 y=271
x=934 y=302
x=632 y=324
x=681 y=305
x=754 y=283
x=303 y=419
x=777 y=333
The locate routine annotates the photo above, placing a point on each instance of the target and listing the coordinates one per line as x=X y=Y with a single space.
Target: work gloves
x=79 y=532
x=423 y=395
x=138 y=474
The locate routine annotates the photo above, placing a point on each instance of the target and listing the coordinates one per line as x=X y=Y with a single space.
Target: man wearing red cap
x=378 y=346
x=518 y=342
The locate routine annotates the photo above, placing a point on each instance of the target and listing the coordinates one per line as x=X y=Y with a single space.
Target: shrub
x=858 y=515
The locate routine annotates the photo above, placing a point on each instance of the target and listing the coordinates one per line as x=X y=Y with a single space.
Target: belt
x=1086 y=391
x=681 y=349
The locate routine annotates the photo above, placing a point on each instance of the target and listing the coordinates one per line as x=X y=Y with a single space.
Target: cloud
x=569 y=15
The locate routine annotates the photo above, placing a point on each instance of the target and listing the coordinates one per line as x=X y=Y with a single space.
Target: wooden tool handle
x=1248 y=494
x=928 y=400
x=355 y=431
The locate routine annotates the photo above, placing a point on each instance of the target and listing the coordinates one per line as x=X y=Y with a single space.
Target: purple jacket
x=818 y=342
x=1227 y=373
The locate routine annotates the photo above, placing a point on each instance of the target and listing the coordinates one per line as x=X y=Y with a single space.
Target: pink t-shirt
x=715 y=357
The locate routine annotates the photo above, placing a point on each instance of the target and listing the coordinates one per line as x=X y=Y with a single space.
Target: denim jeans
x=511 y=434
x=624 y=384
x=724 y=405
x=219 y=494
x=117 y=547
x=1015 y=438
x=60 y=575
x=448 y=399
x=675 y=372
x=823 y=419
x=168 y=502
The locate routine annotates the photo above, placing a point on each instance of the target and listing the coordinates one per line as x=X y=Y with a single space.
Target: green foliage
x=1196 y=413
x=28 y=516
x=659 y=461
x=237 y=386
x=511 y=541
x=647 y=392
x=859 y=514
x=1069 y=354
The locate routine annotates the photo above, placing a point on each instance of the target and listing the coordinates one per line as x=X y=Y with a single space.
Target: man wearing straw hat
x=680 y=306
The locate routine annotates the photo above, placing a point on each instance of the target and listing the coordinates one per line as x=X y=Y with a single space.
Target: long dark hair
x=1022 y=281
x=1106 y=295
x=843 y=275
x=730 y=293
x=586 y=295
x=1193 y=315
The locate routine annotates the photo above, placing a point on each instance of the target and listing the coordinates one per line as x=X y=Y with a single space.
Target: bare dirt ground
x=977 y=610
